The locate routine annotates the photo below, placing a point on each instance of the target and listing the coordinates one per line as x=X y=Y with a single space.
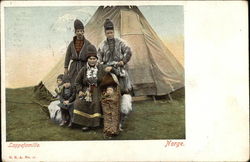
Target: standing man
x=76 y=52
x=114 y=52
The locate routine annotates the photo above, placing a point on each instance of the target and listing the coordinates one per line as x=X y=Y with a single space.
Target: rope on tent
x=171 y=99
x=33 y=102
x=154 y=99
x=42 y=107
x=8 y=101
x=40 y=104
x=172 y=88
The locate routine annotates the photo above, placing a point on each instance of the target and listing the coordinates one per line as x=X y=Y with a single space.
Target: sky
x=32 y=32
x=52 y=26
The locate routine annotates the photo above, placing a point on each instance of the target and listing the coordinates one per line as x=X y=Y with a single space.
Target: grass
x=26 y=121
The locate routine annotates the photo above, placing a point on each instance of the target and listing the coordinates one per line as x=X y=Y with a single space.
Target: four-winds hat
x=60 y=77
x=108 y=25
x=78 y=24
x=66 y=78
x=91 y=51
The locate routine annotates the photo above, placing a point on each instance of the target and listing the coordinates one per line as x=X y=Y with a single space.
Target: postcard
x=124 y=81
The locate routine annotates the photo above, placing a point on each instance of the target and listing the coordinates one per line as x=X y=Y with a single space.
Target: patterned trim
x=87 y=115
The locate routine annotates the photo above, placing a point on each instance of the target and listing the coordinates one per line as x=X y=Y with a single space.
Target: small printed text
x=175 y=144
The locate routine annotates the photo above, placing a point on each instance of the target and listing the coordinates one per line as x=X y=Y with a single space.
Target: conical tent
x=153 y=69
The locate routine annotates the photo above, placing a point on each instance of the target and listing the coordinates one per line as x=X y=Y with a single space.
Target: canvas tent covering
x=153 y=69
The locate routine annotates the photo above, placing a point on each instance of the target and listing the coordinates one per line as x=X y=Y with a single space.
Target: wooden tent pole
x=154 y=99
x=170 y=97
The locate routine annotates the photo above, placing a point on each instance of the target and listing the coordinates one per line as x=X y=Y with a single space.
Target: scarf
x=92 y=74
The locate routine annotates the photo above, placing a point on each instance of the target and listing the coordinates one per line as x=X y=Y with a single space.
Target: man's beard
x=80 y=37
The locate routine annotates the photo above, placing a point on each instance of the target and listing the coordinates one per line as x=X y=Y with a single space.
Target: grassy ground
x=26 y=121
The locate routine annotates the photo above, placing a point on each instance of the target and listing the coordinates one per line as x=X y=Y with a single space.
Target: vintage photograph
x=94 y=73
x=124 y=81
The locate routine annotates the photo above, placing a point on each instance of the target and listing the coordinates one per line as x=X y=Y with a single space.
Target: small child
x=59 y=81
x=67 y=97
x=109 y=92
x=111 y=112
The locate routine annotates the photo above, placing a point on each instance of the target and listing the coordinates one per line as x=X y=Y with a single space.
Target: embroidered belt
x=87 y=115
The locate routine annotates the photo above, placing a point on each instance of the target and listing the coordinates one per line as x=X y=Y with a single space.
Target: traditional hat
x=91 y=51
x=108 y=25
x=66 y=79
x=78 y=24
x=60 y=77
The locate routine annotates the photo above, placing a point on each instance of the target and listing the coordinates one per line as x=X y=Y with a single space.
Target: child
x=59 y=81
x=111 y=112
x=109 y=92
x=126 y=105
x=54 y=109
x=67 y=96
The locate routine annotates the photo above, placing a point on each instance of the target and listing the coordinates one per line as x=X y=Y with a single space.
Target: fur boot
x=126 y=108
x=126 y=104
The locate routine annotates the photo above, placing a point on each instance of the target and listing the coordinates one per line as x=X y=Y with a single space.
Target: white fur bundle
x=126 y=103
x=55 y=111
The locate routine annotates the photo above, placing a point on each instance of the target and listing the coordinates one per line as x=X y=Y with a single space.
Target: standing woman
x=87 y=106
x=76 y=52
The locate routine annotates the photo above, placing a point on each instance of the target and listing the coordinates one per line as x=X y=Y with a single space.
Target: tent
x=153 y=69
